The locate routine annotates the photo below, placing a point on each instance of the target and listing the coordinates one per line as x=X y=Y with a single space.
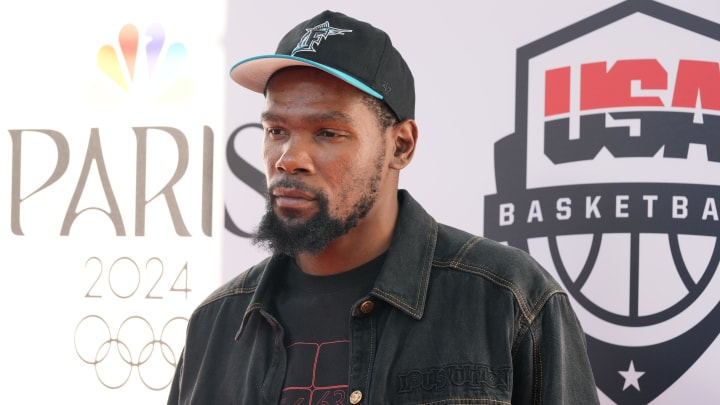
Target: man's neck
x=333 y=261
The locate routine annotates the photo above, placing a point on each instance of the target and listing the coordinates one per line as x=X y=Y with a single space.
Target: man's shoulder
x=244 y=283
x=506 y=266
x=456 y=249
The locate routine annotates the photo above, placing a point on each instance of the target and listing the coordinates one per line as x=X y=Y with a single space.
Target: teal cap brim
x=253 y=73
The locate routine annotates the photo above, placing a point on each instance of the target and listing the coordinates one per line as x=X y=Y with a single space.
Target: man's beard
x=314 y=234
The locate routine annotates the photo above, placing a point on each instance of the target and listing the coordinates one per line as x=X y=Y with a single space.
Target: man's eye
x=328 y=134
x=274 y=131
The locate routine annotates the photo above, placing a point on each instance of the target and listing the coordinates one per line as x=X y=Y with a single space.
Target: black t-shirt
x=315 y=312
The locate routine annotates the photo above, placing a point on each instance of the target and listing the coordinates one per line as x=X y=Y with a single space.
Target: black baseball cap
x=349 y=49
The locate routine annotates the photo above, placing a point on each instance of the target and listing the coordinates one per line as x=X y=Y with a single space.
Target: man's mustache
x=296 y=184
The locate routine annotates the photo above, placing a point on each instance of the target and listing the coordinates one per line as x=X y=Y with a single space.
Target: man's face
x=325 y=160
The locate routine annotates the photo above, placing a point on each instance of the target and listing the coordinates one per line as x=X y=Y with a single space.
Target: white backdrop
x=108 y=245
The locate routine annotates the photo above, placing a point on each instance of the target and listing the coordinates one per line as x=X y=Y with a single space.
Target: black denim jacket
x=452 y=319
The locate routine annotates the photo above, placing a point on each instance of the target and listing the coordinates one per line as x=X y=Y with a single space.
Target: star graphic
x=631 y=377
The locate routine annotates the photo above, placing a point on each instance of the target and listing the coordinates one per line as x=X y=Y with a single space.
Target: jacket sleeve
x=550 y=362
x=174 y=396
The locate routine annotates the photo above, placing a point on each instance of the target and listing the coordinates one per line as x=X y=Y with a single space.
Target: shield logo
x=612 y=181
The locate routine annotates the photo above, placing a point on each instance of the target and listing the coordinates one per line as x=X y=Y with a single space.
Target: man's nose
x=295 y=157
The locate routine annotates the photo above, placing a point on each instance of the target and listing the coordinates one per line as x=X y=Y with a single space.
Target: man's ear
x=405 y=135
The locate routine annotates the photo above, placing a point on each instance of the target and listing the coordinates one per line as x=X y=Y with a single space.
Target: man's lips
x=291 y=198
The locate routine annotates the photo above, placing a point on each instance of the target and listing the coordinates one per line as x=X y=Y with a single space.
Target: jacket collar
x=405 y=275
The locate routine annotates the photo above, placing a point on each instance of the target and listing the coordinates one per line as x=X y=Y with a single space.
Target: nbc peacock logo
x=142 y=67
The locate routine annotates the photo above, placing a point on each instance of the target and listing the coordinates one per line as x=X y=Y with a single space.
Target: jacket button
x=355 y=397
x=367 y=307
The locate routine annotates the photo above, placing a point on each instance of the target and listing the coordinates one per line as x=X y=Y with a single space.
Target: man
x=366 y=299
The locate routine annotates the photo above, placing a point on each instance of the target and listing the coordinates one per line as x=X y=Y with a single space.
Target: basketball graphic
x=637 y=300
x=611 y=182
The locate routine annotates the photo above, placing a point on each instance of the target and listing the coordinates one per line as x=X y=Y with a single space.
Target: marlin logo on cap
x=313 y=36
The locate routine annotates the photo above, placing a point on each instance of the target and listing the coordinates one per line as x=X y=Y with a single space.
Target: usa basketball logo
x=612 y=181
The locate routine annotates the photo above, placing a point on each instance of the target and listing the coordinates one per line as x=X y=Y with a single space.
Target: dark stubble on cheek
x=312 y=235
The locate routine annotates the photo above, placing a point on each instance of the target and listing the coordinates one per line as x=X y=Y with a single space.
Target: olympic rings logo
x=134 y=345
